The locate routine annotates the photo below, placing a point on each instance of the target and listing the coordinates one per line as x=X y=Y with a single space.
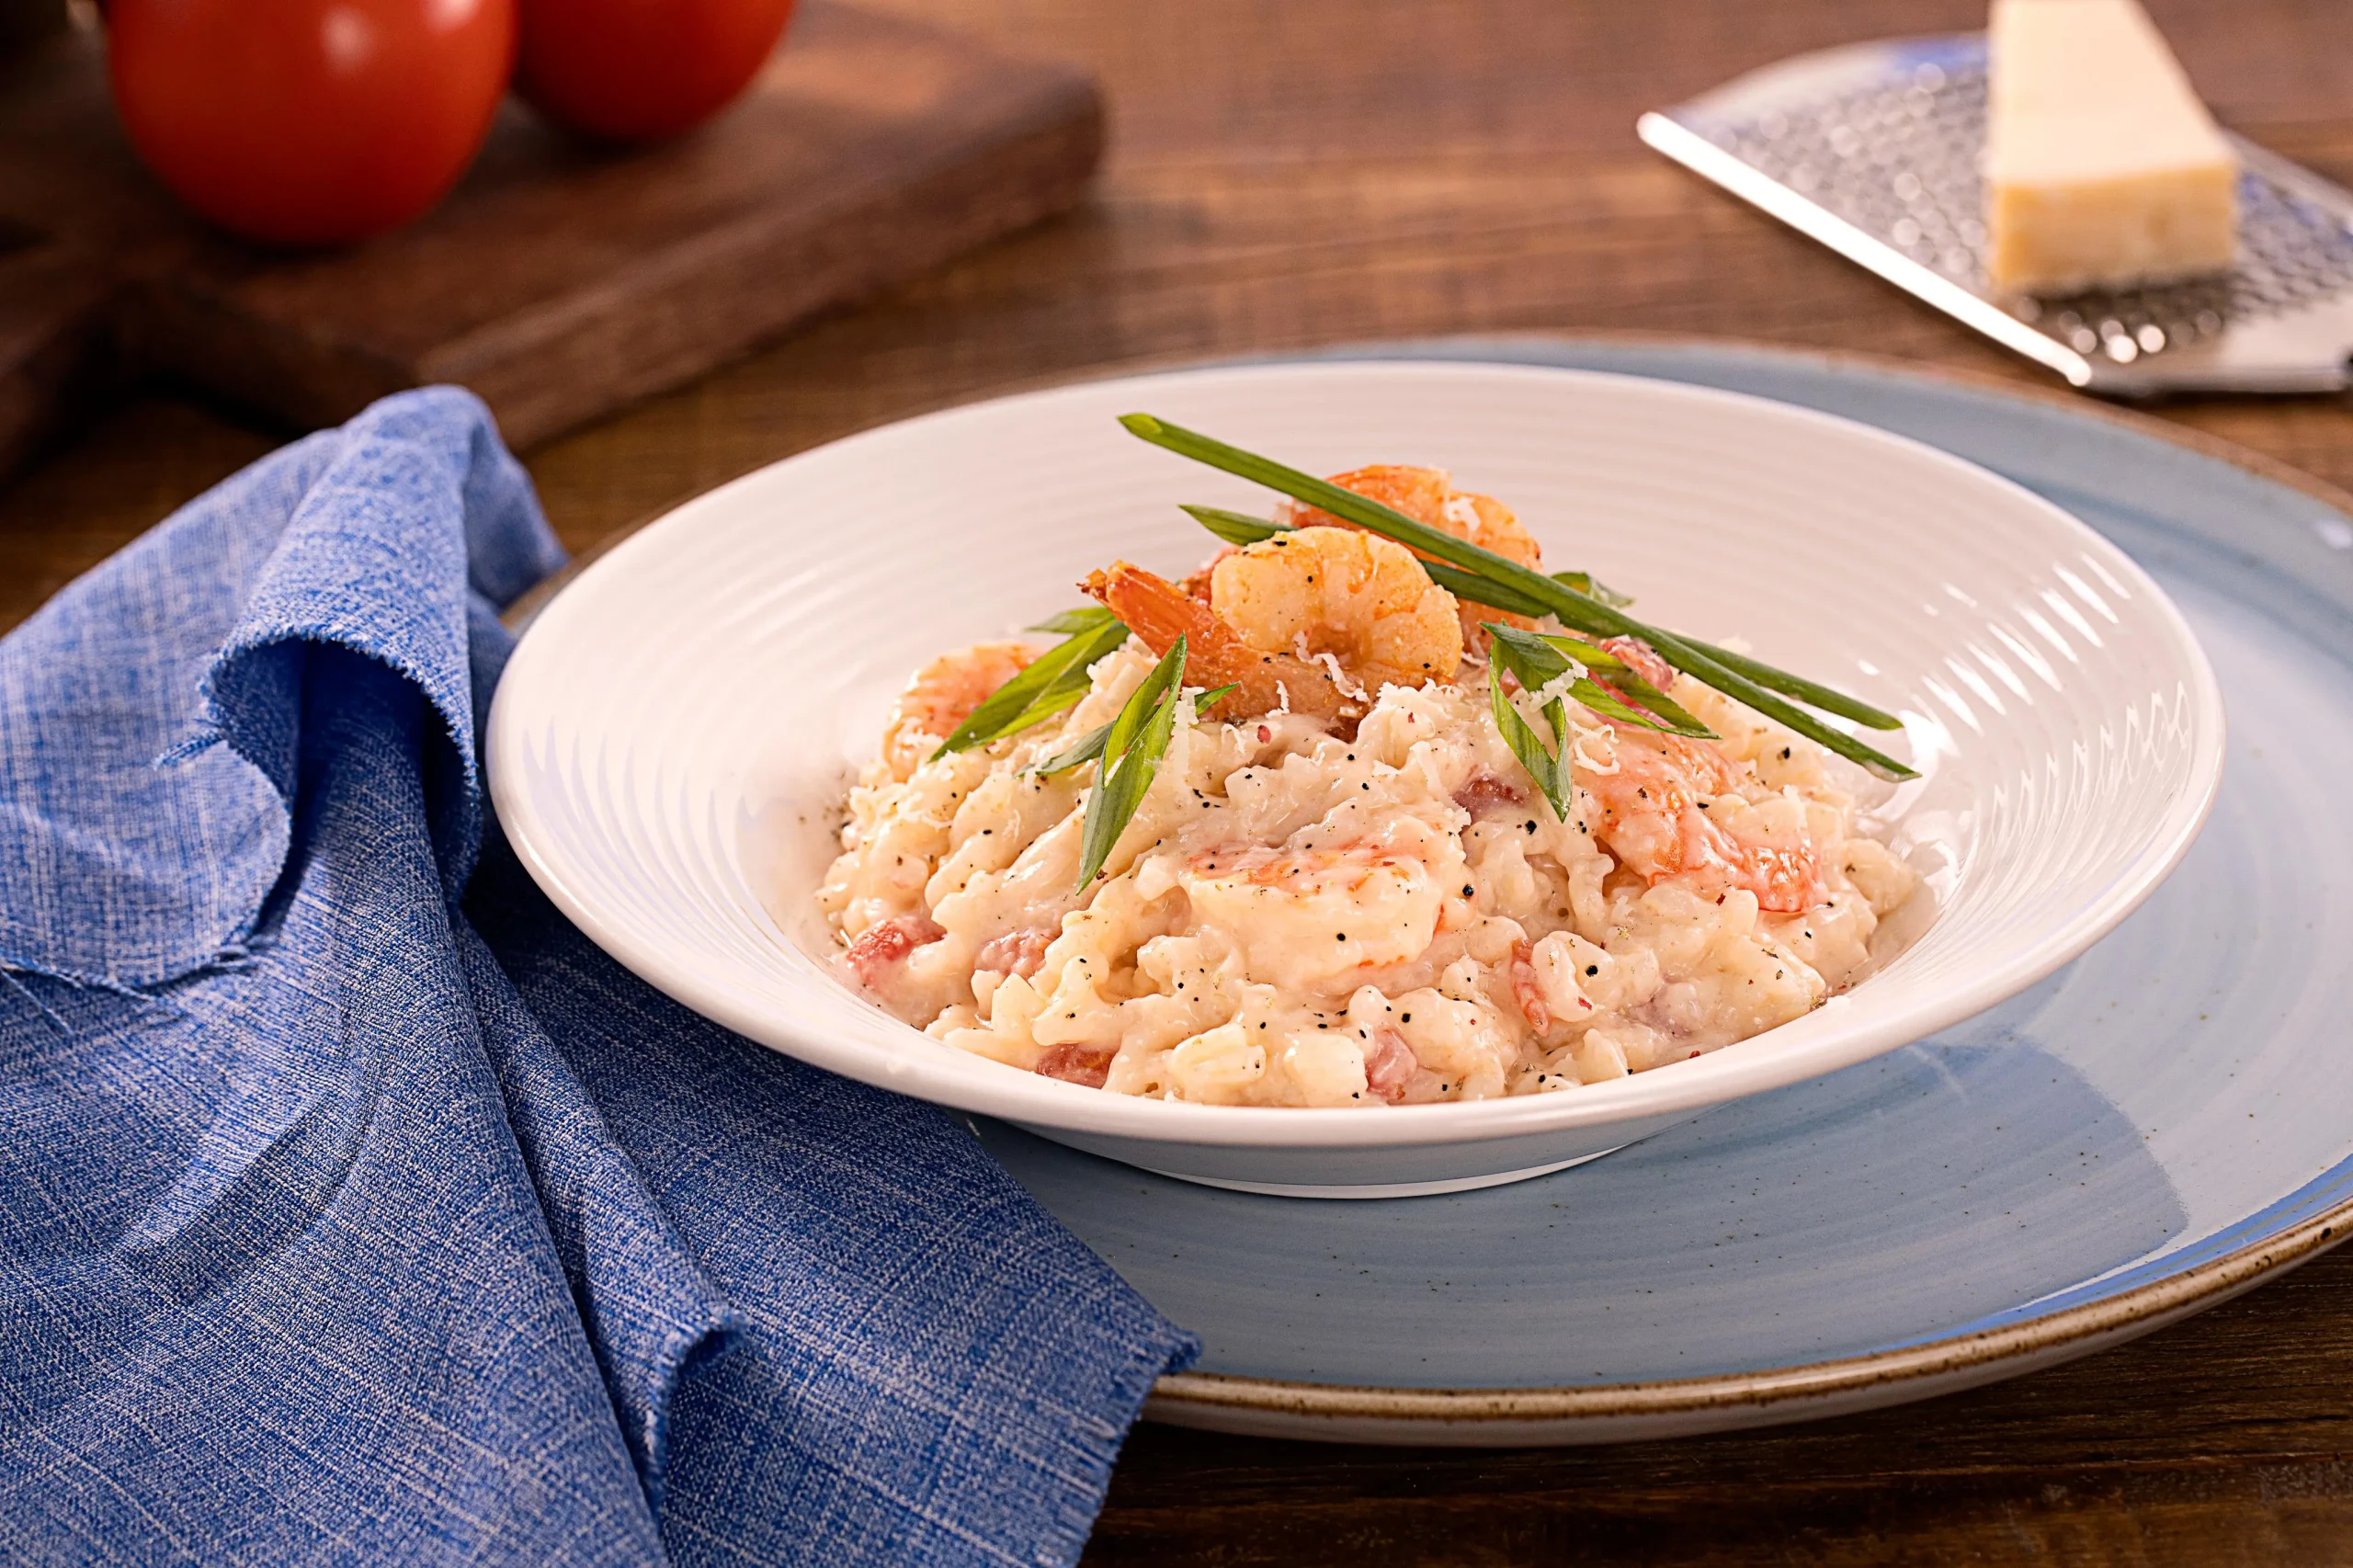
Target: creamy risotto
x=1342 y=885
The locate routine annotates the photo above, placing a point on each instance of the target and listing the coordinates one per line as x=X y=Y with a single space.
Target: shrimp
x=1656 y=818
x=942 y=695
x=1160 y=612
x=1339 y=591
x=1316 y=621
x=1428 y=495
x=1309 y=917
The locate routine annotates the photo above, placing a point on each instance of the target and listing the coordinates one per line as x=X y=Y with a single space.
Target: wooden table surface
x=1287 y=173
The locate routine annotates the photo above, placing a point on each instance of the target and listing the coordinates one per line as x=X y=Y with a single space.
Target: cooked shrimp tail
x=942 y=695
x=1159 y=612
x=1315 y=621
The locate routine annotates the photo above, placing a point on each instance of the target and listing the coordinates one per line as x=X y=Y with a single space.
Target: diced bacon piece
x=1089 y=1066
x=1016 y=952
x=1486 y=791
x=1524 y=990
x=1642 y=659
x=1389 y=1066
x=885 y=945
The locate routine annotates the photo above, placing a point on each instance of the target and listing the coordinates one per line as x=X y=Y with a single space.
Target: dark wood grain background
x=1289 y=172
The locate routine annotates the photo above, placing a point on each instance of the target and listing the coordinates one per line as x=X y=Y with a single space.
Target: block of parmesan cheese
x=2102 y=168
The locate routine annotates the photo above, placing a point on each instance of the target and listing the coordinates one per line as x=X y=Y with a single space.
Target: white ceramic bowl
x=672 y=740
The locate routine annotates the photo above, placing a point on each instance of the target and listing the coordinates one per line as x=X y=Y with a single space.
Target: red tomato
x=309 y=121
x=636 y=70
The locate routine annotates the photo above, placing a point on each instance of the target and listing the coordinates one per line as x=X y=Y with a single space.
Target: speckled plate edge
x=1628 y=1412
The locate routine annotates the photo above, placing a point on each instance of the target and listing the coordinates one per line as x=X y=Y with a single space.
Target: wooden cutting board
x=559 y=281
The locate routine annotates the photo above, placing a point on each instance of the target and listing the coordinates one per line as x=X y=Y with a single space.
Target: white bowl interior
x=671 y=743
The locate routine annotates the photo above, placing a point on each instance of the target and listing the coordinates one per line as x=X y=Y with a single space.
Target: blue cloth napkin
x=354 y=1208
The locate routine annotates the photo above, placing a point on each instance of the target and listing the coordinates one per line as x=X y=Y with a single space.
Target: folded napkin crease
x=354 y=1207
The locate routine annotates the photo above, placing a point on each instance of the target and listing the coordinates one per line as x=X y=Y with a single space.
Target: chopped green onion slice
x=1548 y=768
x=1088 y=748
x=1235 y=527
x=1709 y=671
x=1055 y=680
x=1583 y=583
x=1133 y=745
x=1537 y=664
x=1577 y=611
x=1623 y=682
x=1805 y=690
x=1482 y=590
x=1070 y=622
x=1090 y=745
x=1208 y=700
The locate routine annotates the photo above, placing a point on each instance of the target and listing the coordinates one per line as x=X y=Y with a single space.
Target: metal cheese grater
x=1874 y=149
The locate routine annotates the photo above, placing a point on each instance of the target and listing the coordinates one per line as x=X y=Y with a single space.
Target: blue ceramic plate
x=2160 y=1125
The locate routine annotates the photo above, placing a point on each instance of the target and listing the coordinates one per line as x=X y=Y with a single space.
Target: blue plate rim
x=2072 y=1323
x=2008 y=1343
